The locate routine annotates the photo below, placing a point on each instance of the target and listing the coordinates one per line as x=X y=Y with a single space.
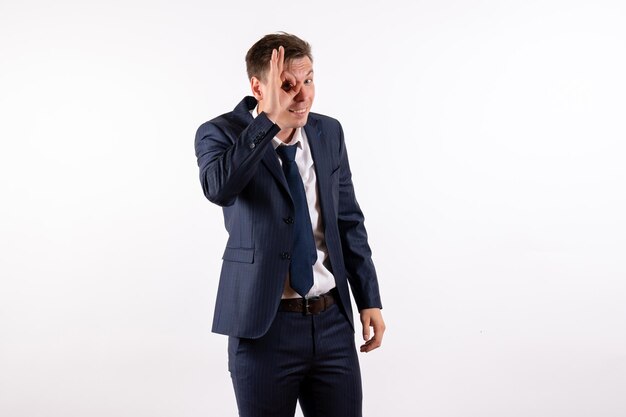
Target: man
x=296 y=240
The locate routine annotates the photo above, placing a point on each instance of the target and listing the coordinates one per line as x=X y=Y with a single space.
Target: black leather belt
x=311 y=305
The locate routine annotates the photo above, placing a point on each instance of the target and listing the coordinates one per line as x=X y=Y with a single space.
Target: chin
x=300 y=121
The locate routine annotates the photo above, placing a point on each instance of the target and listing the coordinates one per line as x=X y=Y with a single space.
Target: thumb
x=366 y=328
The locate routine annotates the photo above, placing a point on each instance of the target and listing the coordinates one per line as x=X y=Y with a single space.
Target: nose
x=303 y=94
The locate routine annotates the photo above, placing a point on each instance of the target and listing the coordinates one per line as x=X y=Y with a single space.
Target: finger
x=379 y=330
x=287 y=76
x=281 y=59
x=374 y=343
x=289 y=82
x=274 y=62
x=297 y=87
x=366 y=328
x=371 y=344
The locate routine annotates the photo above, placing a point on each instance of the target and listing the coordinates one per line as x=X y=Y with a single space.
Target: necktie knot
x=287 y=153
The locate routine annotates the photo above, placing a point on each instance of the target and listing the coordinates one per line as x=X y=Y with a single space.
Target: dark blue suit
x=240 y=171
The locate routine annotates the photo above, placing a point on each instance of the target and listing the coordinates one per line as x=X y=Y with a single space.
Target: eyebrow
x=307 y=74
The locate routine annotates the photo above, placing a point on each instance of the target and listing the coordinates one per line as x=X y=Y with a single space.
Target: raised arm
x=228 y=157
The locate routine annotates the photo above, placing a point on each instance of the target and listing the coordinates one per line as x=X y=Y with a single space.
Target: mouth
x=298 y=111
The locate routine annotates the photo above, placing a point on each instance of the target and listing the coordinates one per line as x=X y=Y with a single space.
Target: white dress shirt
x=323 y=279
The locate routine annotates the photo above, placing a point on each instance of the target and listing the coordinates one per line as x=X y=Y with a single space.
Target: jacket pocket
x=245 y=255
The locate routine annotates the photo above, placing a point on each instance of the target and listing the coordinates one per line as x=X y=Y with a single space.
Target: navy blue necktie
x=304 y=253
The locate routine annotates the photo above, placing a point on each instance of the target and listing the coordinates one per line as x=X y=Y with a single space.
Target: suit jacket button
x=285 y=255
x=288 y=220
x=252 y=145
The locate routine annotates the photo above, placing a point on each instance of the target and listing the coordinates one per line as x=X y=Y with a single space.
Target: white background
x=487 y=144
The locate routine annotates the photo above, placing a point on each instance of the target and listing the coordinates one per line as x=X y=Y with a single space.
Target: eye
x=308 y=81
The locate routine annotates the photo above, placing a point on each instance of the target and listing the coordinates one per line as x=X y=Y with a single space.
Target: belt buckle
x=307 y=306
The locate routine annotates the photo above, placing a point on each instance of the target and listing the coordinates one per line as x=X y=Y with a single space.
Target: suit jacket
x=239 y=170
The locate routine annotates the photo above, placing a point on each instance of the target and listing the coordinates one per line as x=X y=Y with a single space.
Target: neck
x=285 y=135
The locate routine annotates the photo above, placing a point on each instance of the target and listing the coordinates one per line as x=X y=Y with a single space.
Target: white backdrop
x=487 y=144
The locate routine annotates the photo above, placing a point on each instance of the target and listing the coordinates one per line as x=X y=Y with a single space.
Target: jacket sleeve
x=228 y=161
x=357 y=254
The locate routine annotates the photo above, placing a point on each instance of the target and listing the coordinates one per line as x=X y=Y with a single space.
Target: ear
x=257 y=88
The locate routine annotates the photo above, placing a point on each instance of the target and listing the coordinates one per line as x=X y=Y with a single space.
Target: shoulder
x=237 y=119
x=223 y=121
x=325 y=120
x=326 y=124
x=229 y=124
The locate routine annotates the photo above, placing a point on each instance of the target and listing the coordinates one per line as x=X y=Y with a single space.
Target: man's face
x=302 y=70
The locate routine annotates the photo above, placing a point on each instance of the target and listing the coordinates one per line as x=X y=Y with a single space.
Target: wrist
x=272 y=117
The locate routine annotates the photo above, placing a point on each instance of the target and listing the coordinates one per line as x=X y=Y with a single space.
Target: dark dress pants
x=310 y=359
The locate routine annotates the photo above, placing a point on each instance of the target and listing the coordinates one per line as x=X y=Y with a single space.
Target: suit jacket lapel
x=321 y=159
x=322 y=163
x=270 y=160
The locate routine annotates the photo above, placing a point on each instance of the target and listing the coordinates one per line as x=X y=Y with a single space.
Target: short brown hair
x=259 y=55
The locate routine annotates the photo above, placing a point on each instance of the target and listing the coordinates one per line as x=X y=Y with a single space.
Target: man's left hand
x=372 y=317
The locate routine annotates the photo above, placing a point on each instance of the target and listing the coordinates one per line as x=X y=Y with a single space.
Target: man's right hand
x=280 y=89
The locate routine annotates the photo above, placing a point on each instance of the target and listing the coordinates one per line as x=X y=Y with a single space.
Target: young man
x=296 y=241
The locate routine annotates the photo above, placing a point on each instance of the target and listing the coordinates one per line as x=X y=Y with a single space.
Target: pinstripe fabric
x=307 y=358
x=240 y=172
